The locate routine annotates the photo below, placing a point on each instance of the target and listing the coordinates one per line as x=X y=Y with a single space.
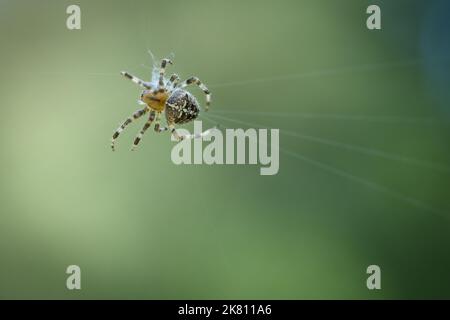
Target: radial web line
x=331 y=116
x=319 y=73
x=367 y=183
x=359 y=149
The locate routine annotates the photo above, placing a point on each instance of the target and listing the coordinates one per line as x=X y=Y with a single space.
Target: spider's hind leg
x=130 y=119
x=180 y=137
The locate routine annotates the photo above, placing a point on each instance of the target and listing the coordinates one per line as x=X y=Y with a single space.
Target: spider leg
x=157 y=124
x=162 y=71
x=130 y=119
x=173 y=81
x=161 y=129
x=175 y=133
x=141 y=133
x=179 y=137
x=136 y=80
x=195 y=80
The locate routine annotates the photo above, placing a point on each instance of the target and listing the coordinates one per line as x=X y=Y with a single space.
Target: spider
x=159 y=95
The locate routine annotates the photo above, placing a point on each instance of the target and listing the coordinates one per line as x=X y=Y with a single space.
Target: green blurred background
x=364 y=171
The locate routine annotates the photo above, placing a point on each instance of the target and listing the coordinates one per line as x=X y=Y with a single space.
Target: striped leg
x=141 y=133
x=173 y=81
x=179 y=137
x=162 y=71
x=130 y=119
x=175 y=133
x=161 y=129
x=157 y=126
x=195 y=80
x=136 y=80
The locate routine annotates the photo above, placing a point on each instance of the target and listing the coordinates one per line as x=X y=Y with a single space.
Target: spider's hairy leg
x=136 y=80
x=196 y=81
x=173 y=81
x=141 y=133
x=162 y=71
x=130 y=119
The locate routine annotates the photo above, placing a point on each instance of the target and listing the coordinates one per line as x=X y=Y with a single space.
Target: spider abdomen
x=181 y=107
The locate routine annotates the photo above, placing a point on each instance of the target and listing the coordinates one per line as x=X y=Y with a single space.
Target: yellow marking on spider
x=155 y=100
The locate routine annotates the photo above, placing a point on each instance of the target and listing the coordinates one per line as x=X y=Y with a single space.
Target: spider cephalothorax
x=169 y=96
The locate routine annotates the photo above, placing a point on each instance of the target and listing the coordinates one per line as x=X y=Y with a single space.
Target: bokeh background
x=364 y=169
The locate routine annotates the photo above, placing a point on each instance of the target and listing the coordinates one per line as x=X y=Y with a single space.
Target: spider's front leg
x=196 y=81
x=130 y=119
x=141 y=133
x=162 y=71
x=136 y=80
